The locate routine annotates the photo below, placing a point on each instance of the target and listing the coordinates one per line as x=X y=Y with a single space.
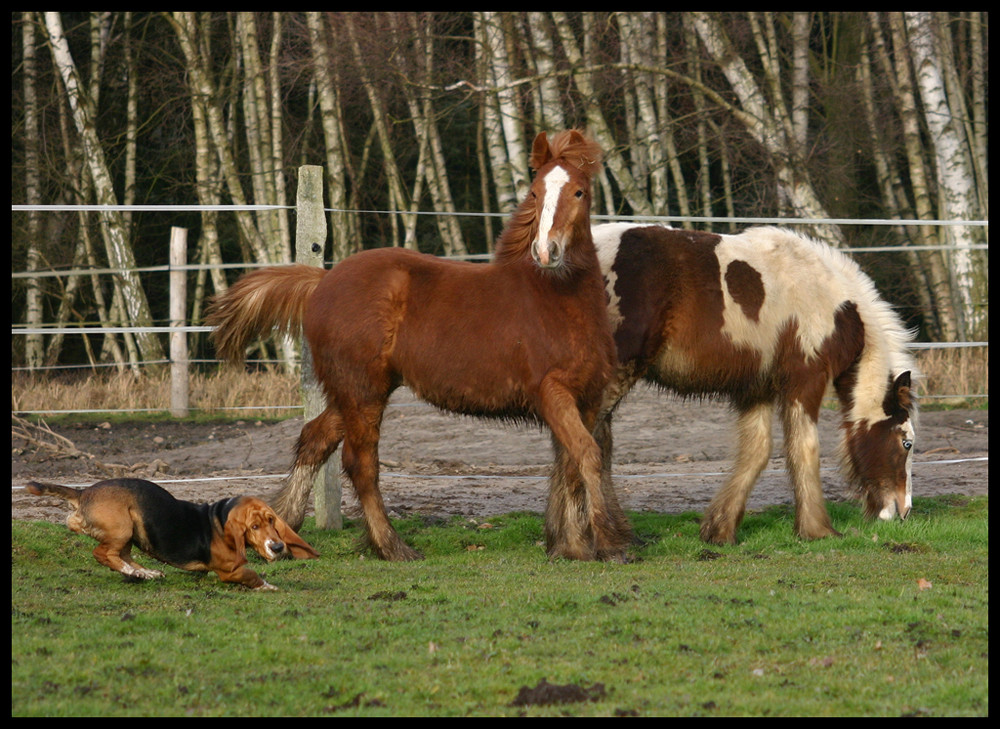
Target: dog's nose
x=278 y=547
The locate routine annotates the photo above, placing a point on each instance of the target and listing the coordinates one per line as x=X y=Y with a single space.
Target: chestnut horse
x=524 y=337
x=765 y=319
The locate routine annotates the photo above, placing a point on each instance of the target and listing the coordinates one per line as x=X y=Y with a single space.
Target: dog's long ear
x=235 y=533
x=296 y=544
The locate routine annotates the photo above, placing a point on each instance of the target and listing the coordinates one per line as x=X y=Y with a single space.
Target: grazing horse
x=524 y=337
x=763 y=319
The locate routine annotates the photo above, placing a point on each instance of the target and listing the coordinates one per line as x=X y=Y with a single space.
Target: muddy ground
x=670 y=456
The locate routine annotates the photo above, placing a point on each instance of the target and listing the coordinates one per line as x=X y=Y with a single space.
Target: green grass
x=772 y=626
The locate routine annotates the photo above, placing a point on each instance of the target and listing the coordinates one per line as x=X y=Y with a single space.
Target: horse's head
x=559 y=200
x=879 y=455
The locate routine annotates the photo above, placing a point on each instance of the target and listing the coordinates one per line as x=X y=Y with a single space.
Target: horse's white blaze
x=555 y=180
x=891 y=508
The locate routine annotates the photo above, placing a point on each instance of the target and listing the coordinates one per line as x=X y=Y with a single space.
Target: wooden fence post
x=178 y=317
x=310 y=243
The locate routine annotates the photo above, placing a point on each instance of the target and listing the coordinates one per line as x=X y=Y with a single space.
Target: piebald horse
x=524 y=337
x=767 y=320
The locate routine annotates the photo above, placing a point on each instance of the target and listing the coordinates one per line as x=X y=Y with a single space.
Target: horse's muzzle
x=898 y=505
x=548 y=254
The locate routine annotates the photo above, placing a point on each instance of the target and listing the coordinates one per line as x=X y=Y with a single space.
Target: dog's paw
x=141 y=573
x=267 y=586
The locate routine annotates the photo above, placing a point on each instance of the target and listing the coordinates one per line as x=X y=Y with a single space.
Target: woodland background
x=702 y=115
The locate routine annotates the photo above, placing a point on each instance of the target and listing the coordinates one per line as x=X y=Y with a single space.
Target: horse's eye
x=907 y=444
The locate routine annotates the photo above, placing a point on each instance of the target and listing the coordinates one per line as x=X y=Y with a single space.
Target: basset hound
x=126 y=512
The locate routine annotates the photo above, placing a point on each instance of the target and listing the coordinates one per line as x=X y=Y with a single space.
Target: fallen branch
x=42 y=437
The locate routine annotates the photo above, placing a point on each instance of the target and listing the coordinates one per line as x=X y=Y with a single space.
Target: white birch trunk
x=597 y=124
x=34 y=351
x=956 y=179
x=509 y=113
x=201 y=85
x=766 y=120
x=500 y=164
x=120 y=255
x=341 y=225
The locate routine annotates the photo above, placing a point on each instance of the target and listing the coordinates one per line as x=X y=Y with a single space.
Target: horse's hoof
x=617 y=556
x=819 y=534
x=401 y=553
x=717 y=536
x=565 y=552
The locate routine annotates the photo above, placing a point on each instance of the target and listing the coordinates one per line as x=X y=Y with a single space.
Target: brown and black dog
x=126 y=512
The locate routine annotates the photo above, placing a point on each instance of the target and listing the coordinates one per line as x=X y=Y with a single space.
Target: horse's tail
x=259 y=302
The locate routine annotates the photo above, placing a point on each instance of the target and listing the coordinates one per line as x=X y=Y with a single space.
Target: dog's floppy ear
x=296 y=545
x=235 y=532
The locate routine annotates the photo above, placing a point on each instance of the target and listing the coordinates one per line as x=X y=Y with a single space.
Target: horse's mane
x=571 y=146
x=886 y=352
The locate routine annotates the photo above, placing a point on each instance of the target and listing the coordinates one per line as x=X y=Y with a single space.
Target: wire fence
x=90 y=329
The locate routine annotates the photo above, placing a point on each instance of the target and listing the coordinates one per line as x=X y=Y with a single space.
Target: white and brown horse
x=524 y=337
x=765 y=319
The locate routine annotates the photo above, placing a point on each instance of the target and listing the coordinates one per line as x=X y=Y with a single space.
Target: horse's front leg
x=724 y=514
x=360 y=461
x=578 y=502
x=802 y=445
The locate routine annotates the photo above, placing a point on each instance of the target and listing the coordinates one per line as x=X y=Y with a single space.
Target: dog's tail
x=259 y=302
x=69 y=493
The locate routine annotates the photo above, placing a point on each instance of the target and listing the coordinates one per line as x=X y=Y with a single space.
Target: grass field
x=890 y=620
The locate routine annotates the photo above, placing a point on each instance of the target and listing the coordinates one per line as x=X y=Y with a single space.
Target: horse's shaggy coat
x=524 y=337
x=765 y=319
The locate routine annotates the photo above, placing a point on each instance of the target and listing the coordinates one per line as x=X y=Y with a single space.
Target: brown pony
x=524 y=337
x=765 y=319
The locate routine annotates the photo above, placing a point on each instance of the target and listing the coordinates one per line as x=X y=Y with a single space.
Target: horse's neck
x=869 y=391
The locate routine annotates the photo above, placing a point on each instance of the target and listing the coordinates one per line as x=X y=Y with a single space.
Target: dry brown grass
x=228 y=392
x=952 y=377
x=955 y=377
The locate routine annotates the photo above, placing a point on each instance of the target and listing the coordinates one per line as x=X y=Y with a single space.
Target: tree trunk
x=34 y=351
x=766 y=119
x=342 y=225
x=120 y=254
x=955 y=178
x=200 y=85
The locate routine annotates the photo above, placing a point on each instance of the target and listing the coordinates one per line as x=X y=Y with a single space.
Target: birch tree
x=33 y=343
x=201 y=85
x=764 y=114
x=342 y=225
x=505 y=142
x=416 y=67
x=955 y=170
x=119 y=252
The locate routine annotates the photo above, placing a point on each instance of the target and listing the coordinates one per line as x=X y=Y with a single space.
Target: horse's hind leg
x=318 y=440
x=724 y=514
x=360 y=461
x=802 y=445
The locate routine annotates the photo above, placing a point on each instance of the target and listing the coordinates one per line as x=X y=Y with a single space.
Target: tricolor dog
x=126 y=512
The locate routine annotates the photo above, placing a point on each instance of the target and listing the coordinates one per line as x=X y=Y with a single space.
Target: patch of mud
x=670 y=456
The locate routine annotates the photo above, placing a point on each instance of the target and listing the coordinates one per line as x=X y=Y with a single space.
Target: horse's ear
x=540 y=151
x=901 y=392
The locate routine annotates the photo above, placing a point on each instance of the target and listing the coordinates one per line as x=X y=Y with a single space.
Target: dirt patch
x=670 y=457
